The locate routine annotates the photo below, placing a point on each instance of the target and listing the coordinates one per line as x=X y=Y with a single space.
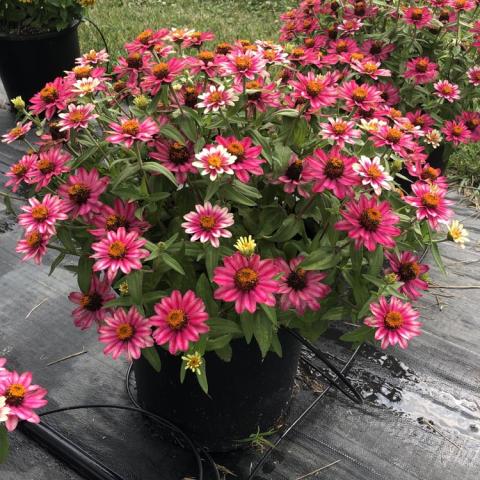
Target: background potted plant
x=213 y=197
x=38 y=42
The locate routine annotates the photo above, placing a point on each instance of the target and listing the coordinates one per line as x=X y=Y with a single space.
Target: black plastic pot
x=246 y=395
x=28 y=62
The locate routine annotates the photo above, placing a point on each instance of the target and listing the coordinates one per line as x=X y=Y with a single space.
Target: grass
x=122 y=20
x=464 y=171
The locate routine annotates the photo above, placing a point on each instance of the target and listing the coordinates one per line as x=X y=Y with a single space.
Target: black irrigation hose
x=102 y=36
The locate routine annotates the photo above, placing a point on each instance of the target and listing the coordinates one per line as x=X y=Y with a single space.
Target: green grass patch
x=464 y=170
x=121 y=20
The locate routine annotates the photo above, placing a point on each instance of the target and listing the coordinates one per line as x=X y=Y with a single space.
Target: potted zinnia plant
x=429 y=49
x=213 y=198
x=38 y=42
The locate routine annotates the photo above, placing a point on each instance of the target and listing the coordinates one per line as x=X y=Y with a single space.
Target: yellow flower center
x=45 y=166
x=358 y=56
x=206 y=56
x=457 y=131
x=131 y=127
x=236 y=148
x=314 y=87
x=370 y=67
x=33 y=239
x=207 y=222
x=223 y=48
x=246 y=279
x=176 y=319
x=160 y=70
x=393 y=320
x=374 y=172
x=178 y=153
x=339 y=128
x=19 y=170
x=215 y=97
x=49 y=94
x=370 y=219
x=359 y=94
x=446 y=89
x=422 y=65
x=429 y=174
x=40 y=213
x=134 y=60
x=15 y=395
x=77 y=116
x=214 y=161
x=341 y=46
x=144 y=37
x=117 y=249
x=298 y=52
x=82 y=71
x=417 y=14
x=334 y=168
x=79 y=193
x=114 y=222
x=124 y=332
x=430 y=200
x=243 y=62
x=16 y=132
x=393 y=135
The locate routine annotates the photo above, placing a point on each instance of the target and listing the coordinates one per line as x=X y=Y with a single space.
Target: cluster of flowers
x=262 y=156
x=18 y=397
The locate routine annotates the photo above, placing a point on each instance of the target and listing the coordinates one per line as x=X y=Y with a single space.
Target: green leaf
x=276 y=346
x=171 y=132
x=263 y=332
x=375 y=261
x=225 y=353
x=221 y=326
x=437 y=257
x=270 y=312
x=359 y=335
x=154 y=167
x=230 y=194
x=320 y=260
x=218 y=343
x=202 y=377
x=3 y=443
x=56 y=263
x=205 y=292
x=212 y=255
x=84 y=278
x=153 y=358
x=289 y=228
x=126 y=172
x=172 y=263
x=65 y=236
x=212 y=189
x=247 y=321
x=135 y=282
x=287 y=112
x=183 y=371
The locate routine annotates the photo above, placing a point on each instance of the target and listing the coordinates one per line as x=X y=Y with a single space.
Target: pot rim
x=39 y=36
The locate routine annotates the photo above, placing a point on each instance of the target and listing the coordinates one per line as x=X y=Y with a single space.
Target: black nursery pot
x=245 y=394
x=28 y=62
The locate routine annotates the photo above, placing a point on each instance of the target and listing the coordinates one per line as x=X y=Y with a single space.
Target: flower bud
x=141 y=102
x=18 y=103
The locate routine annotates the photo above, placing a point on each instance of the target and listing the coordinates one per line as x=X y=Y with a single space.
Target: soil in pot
x=28 y=62
x=246 y=395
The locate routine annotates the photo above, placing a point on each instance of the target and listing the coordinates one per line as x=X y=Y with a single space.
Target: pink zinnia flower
x=456 y=132
x=246 y=281
x=421 y=119
x=369 y=223
x=213 y=161
x=176 y=156
x=3 y=371
x=50 y=163
x=474 y=76
x=377 y=49
x=91 y=305
x=248 y=159
x=372 y=173
x=119 y=251
x=82 y=191
x=331 y=171
x=180 y=319
x=430 y=202
x=216 y=98
x=446 y=90
x=394 y=138
x=122 y=214
x=205 y=61
x=163 y=72
x=77 y=116
x=197 y=39
x=293 y=177
x=342 y=47
x=409 y=271
x=462 y=5
x=418 y=16
x=33 y=246
x=208 y=224
x=242 y=65
x=371 y=69
x=131 y=67
x=146 y=40
x=130 y=130
x=19 y=172
x=17 y=132
x=42 y=215
x=422 y=70
x=93 y=58
x=261 y=95
x=52 y=97
x=362 y=96
x=21 y=397
x=300 y=289
x=389 y=92
x=340 y=131
x=125 y=332
x=395 y=321
x=318 y=90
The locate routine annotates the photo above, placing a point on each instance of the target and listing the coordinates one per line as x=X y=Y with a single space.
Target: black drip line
x=92 y=469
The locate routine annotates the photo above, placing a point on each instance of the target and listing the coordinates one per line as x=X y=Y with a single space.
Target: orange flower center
x=393 y=135
x=117 y=249
x=409 y=271
x=79 y=193
x=236 y=148
x=430 y=200
x=359 y=94
x=246 y=279
x=269 y=54
x=429 y=174
x=252 y=85
x=457 y=131
x=176 y=319
x=160 y=70
x=243 y=62
x=124 y=332
x=206 y=56
x=82 y=71
x=422 y=65
x=214 y=161
x=446 y=89
x=144 y=37
x=45 y=166
x=296 y=280
x=33 y=239
x=178 y=153
x=298 y=52
x=339 y=128
x=370 y=219
x=207 y=222
x=77 y=116
x=40 y=213
x=15 y=395
x=294 y=170
x=393 y=320
x=223 y=48
x=417 y=14
x=134 y=60
x=16 y=132
x=91 y=302
x=334 y=168
x=374 y=172
x=114 y=222
x=215 y=97
x=309 y=42
x=369 y=67
x=131 y=127
x=357 y=56
x=314 y=87
x=19 y=170
x=341 y=46
x=49 y=94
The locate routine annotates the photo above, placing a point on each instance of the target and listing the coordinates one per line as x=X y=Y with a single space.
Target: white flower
x=214 y=161
x=4 y=410
x=85 y=86
x=373 y=173
x=216 y=98
x=457 y=233
x=434 y=138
